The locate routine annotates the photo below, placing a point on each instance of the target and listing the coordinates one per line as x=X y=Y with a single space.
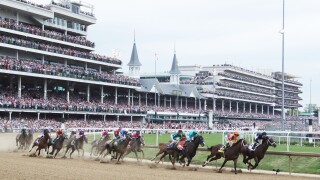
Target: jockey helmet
x=180 y=131
x=236 y=133
x=81 y=132
x=105 y=132
x=263 y=133
x=59 y=131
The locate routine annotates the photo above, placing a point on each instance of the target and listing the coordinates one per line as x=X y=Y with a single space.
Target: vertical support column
x=42 y=27
x=104 y=117
x=205 y=105
x=262 y=109
x=214 y=105
x=88 y=93
x=17 y=54
x=199 y=104
x=146 y=99
x=42 y=59
x=165 y=101
x=117 y=119
x=159 y=101
x=10 y=115
x=132 y=104
x=102 y=94
x=230 y=106
x=273 y=110
x=244 y=107
x=85 y=117
x=38 y=116
x=68 y=94
x=181 y=103
x=116 y=96
x=170 y=101
x=18 y=18
x=131 y=119
x=222 y=106
x=45 y=87
x=250 y=107
x=65 y=63
x=268 y=109
x=19 y=87
x=139 y=99
x=86 y=66
x=237 y=106
x=186 y=103
x=195 y=103
x=256 y=108
x=128 y=97
x=100 y=69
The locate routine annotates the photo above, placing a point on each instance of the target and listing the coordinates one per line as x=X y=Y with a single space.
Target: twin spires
x=174 y=66
x=134 y=60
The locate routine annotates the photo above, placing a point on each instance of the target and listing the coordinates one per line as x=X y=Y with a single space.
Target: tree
x=310 y=108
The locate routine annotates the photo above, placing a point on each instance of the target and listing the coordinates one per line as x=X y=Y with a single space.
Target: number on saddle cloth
x=172 y=145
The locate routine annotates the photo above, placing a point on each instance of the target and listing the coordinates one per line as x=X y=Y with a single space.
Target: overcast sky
x=207 y=32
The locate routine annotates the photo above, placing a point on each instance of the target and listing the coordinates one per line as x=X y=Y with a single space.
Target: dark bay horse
x=232 y=153
x=76 y=144
x=191 y=149
x=119 y=147
x=99 y=144
x=258 y=153
x=41 y=142
x=58 y=145
x=21 y=140
x=29 y=138
x=135 y=146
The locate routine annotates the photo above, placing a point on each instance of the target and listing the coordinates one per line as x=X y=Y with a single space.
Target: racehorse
x=41 y=142
x=29 y=139
x=232 y=153
x=258 y=153
x=76 y=144
x=191 y=149
x=58 y=145
x=164 y=151
x=99 y=145
x=119 y=147
x=135 y=146
x=21 y=140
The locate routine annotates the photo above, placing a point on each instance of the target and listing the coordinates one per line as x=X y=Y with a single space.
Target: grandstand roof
x=134 y=60
x=174 y=66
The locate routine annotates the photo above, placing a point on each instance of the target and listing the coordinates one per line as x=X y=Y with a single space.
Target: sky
x=206 y=32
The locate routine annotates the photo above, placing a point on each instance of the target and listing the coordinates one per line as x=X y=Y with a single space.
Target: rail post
x=288 y=141
x=94 y=134
x=222 y=137
x=157 y=137
x=290 y=164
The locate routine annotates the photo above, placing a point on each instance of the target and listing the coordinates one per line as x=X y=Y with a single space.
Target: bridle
x=271 y=144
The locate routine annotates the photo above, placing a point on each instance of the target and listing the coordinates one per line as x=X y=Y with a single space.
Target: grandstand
x=48 y=70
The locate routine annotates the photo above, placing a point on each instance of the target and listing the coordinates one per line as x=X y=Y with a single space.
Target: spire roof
x=174 y=67
x=134 y=60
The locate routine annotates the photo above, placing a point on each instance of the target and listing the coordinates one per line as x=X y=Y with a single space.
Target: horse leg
x=189 y=160
x=256 y=163
x=224 y=162
x=135 y=152
x=118 y=161
x=67 y=149
x=163 y=155
x=142 y=153
x=73 y=149
x=56 y=153
x=32 y=147
x=235 y=165
x=206 y=162
x=160 y=152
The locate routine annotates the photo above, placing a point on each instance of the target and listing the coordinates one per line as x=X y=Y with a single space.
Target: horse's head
x=200 y=139
x=271 y=142
x=142 y=140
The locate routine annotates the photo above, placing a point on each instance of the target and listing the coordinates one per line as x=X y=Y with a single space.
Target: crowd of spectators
x=244 y=87
x=289 y=88
x=232 y=94
x=242 y=77
x=33 y=4
x=30 y=29
x=289 y=103
x=54 y=69
x=56 y=49
x=288 y=95
x=243 y=69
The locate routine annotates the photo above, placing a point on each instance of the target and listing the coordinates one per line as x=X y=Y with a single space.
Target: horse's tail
x=210 y=148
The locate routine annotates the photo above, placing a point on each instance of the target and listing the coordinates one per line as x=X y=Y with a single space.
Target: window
x=75 y=9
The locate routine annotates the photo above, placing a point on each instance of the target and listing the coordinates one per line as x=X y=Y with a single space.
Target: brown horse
x=21 y=140
x=258 y=153
x=232 y=153
x=58 y=144
x=41 y=142
x=118 y=146
x=164 y=151
x=76 y=144
x=99 y=144
x=135 y=146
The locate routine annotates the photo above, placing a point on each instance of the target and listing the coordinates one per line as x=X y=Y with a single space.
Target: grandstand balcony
x=45 y=39
x=244 y=91
x=62 y=56
x=222 y=77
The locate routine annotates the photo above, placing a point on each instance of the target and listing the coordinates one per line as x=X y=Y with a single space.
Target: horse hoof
x=219 y=171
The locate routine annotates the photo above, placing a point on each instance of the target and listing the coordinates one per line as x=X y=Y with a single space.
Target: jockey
x=116 y=133
x=81 y=133
x=23 y=130
x=192 y=134
x=177 y=136
x=123 y=134
x=258 y=140
x=136 y=134
x=231 y=139
x=103 y=135
x=58 y=133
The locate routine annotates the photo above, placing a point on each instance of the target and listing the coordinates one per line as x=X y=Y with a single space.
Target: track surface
x=18 y=165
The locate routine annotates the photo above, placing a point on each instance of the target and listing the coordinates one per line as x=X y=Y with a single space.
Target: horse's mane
x=240 y=140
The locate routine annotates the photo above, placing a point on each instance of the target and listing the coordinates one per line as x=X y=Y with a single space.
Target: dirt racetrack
x=18 y=165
